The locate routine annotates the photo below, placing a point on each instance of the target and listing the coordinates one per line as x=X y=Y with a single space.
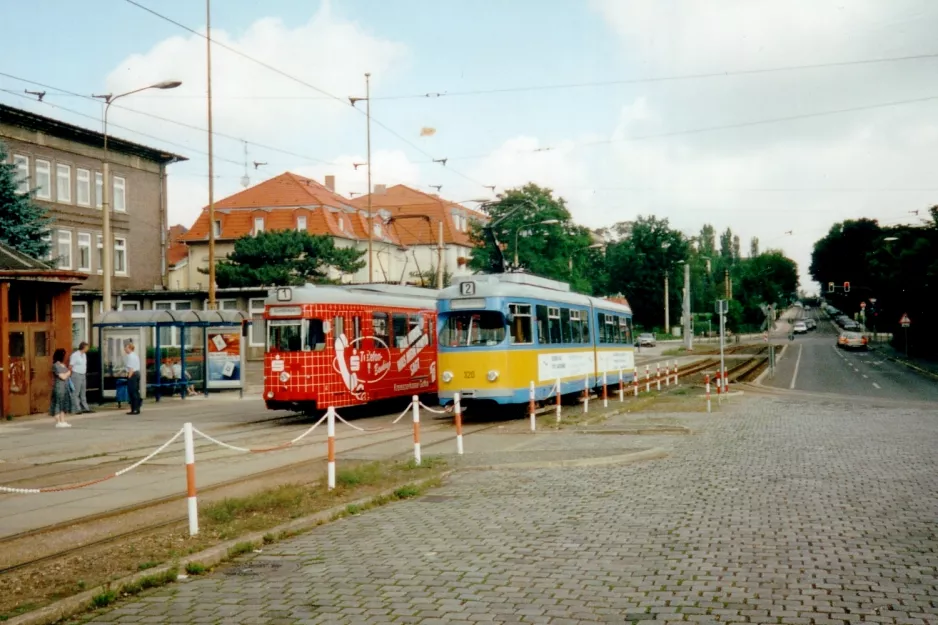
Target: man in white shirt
x=78 y=363
x=132 y=366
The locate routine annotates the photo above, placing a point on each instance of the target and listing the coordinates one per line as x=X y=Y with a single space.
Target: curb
x=781 y=354
x=648 y=454
x=924 y=372
x=672 y=429
x=80 y=603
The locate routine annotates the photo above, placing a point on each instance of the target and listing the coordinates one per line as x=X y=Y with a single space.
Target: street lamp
x=371 y=226
x=107 y=247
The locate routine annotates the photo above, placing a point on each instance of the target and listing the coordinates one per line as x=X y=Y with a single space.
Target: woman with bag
x=61 y=393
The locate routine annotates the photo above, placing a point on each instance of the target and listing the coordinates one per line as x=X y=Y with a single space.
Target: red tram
x=346 y=346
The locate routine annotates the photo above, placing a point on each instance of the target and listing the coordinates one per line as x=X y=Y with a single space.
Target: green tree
x=707 y=241
x=285 y=257
x=726 y=245
x=558 y=249
x=753 y=247
x=23 y=223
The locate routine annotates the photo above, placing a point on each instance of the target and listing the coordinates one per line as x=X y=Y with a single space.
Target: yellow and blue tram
x=500 y=332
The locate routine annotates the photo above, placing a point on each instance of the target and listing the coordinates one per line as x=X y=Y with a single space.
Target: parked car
x=852 y=340
x=811 y=323
x=646 y=340
x=852 y=325
x=800 y=328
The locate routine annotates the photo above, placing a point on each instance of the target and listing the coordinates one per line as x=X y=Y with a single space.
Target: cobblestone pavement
x=776 y=512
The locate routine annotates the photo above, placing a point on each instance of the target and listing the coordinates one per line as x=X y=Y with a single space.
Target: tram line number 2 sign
x=467 y=288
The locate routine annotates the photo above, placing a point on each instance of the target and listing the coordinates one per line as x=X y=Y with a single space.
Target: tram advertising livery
x=500 y=332
x=346 y=346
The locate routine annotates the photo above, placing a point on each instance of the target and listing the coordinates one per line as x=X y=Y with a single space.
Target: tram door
x=30 y=375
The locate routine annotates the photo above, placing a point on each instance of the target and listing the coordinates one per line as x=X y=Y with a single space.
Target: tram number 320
x=469 y=374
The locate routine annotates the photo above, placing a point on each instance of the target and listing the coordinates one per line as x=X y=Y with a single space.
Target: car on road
x=852 y=340
x=800 y=328
x=851 y=325
x=646 y=340
x=811 y=323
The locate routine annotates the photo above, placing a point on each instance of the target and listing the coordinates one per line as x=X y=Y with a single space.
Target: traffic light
x=830 y=287
x=846 y=287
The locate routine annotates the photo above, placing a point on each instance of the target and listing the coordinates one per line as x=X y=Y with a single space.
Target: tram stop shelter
x=181 y=351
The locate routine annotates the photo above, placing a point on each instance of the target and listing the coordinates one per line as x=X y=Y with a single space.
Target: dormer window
x=461 y=223
x=258 y=225
x=301 y=223
x=377 y=230
x=216 y=227
x=342 y=224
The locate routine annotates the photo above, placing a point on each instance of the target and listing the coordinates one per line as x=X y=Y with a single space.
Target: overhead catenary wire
x=300 y=81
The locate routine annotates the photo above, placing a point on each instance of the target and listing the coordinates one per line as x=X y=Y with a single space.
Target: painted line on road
x=877 y=385
x=866 y=377
x=794 y=377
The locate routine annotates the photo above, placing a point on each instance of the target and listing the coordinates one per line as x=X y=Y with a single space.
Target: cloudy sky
x=762 y=116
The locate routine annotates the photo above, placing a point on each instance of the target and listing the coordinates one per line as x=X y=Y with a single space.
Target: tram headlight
x=284 y=377
x=492 y=375
x=447 y=376
x=270 y=394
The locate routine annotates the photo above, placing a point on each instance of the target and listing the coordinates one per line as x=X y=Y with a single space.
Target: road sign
x=872 y=300
x=722 y=306
x=862 y=304
x=905 y=321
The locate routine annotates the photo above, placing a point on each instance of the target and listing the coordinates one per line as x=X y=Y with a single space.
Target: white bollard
x=558 y=400
x=192 y=502
x=416 y=409
x=621 y=390
x=707 y=382
x=658 y=375
x=330 y=446
x=586 y=394
x=647 y=380
x=531 y=407
x=458 y=410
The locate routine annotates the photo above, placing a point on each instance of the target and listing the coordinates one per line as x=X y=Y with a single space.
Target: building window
x=377 y=230
x=83 y=187
x=98 y=189
x=63 y=249
x=301 y=223
x=216 y=227
x=258 y=225
x=21 y=163
x=79 y=323
x=47 y=239
x=128 y=305
x=258 y=331
x=63 y=183
x=43 y=179
x=120 y=200
x=100 y=255
x=84 y=251
x=120 y=256
x=224 y=304
x=169 y=337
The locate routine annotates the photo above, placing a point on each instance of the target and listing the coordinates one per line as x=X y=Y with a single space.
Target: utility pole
x=371 y=224
x=688 y=323
x=211 y=169
x=439 y=260
x=667 y=311
x=726 y=284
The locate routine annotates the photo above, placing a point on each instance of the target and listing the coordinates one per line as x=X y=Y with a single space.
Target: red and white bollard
x=647 y=380
x=416 y=409
x=675 y=373
x=457 y=410
x=621 y=389
x=726 y=381
x=707 y=382
x=330 y=447
x=635 y=380
x=605 y=393
x=558 y=400
x=586 y=394
x=192 y=500
x=531 y=407
x=658 y=375
x=719 y=381
x=667 y=373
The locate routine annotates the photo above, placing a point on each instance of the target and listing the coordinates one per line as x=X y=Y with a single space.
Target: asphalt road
x=814 y=363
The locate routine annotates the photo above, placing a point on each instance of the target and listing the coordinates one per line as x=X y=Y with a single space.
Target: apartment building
x=63 y=164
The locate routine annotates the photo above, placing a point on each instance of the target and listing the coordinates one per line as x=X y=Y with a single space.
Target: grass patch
x=195 y=568
x=21 y=609
x=103 y=599
x=406 y=492
x=674 y=351
x=143 y=566
x=240 y=548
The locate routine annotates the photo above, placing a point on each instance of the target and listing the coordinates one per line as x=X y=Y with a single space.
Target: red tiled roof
x=280 y=201
x=401 y=200
x=176 y=250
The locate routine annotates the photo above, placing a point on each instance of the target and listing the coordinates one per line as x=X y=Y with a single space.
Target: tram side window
x=601 y=331
x=565 y=325
x=315 y=337
x=542 y=334
x=631 y=330
x=356 y=328
x=611 y=329
x=520 y=324
x=379 y=324
x=338 y=327
x=625 y=331
x=416 y=321
x=586 y=326
x=399 y=325
x=553 y=321
x=576 y=327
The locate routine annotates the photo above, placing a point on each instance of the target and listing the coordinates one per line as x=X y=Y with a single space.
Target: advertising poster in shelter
x=224 y=358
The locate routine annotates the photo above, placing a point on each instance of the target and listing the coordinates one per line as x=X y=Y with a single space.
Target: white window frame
x=301 y=223
x=258 y=220
x=64 y=261
x=120 y=245
x=217 y=227
x=256 y=313
x=84 y=241
x=98 y=189
x=100 y=248
x=120 y=184
x=47 y=237
x=174 y=332
x=21 y=163
x=80 y=311
x=63 y=172
x=131 y=304
x=221 y=303
x=83 y=181
x=43 y=168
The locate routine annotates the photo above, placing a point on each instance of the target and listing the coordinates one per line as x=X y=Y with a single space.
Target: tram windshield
x=473 y=329
x=295 y=335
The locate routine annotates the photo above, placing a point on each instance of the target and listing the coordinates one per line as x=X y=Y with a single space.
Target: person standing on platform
x=78 y=364
x=132 y=366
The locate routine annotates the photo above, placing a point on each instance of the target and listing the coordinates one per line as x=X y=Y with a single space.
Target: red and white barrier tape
x=56 y=489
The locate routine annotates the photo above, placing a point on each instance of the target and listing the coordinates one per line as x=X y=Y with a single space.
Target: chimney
x=380 y=189
x=330 y=183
